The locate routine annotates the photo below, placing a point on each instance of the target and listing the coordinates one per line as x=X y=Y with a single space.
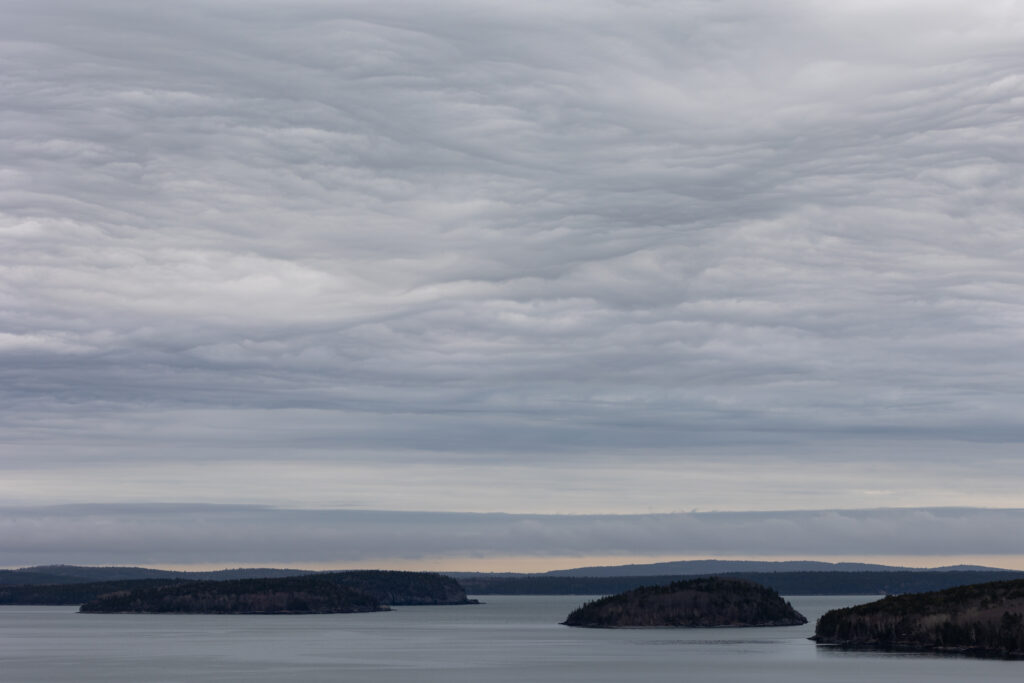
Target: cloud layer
x=589 y=234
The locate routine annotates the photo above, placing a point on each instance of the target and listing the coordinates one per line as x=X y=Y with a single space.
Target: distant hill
x=66 y=574
x=72 y=573
x=696 y=603
x=69 y=574
x=72 y=593
x=822 y=578
x=20 y=577
x=705 y=567
x=787 y=583
x=982 y=619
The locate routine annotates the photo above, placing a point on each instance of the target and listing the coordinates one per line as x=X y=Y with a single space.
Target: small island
x=697 y=603
x=329 y=593
x=985 y=620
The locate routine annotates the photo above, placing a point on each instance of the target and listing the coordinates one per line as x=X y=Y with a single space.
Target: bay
x=509 y=638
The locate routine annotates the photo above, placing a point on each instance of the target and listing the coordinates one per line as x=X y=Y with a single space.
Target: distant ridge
x=703 y=567
x=786 y=583
x=68 y=574
x=71 y=574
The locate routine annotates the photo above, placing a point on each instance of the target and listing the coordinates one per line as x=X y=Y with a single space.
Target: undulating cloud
x=582 y=233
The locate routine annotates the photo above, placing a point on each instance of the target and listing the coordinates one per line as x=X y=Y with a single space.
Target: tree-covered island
x=702 y=602
x=340 y=592
x=983 y=620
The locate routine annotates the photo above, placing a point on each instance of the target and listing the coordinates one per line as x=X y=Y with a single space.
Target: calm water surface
x=507 y=639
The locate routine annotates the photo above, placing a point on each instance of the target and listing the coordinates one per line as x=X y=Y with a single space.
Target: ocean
x=507 y=639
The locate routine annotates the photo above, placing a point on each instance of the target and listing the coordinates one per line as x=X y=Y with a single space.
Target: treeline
x=983 y=619
x=786 y=583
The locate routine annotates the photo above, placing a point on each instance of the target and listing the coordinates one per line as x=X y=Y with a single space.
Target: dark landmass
x=387 y=587
x=704 y=602
x=786 y=583
x=355 y=591
x=290 y=595
x=21 y=577
x=66 y=573
x=56 y=584
x=719 y=567
x=403 y=588
x=983 y=620
x=73 y=593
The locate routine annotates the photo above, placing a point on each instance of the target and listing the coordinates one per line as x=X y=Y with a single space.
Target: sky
x=478 y=284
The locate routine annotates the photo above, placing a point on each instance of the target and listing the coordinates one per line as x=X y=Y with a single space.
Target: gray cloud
x=497 y=233
x=180 y=534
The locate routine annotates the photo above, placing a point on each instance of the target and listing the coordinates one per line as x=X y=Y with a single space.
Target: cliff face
x=984 y=619
x=704 y=602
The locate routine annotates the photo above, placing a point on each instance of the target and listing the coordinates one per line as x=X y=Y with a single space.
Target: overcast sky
x=539 y=258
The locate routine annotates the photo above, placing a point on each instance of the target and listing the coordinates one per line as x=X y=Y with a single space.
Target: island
x=697 y=603
x=336 y=592
x=981 y=620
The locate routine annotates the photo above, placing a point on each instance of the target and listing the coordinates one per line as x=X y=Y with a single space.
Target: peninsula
x=984 y=620
x=697 y=603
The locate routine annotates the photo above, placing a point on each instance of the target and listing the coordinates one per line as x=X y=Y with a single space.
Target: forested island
x=983 y=620
x=301 y=595
x=356 y=591
x=702 y=602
